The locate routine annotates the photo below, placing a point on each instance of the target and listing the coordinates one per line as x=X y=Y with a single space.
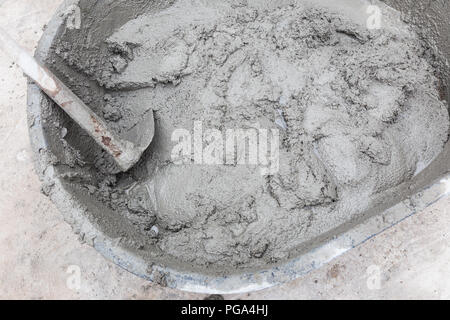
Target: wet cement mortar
x=358 y=113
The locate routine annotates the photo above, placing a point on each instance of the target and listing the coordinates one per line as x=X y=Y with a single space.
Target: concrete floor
x=38 y=250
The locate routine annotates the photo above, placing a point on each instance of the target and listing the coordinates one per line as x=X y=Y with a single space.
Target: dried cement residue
x=360 y=111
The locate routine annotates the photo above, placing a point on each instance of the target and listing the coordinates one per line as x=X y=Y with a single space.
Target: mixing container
x=86 y=216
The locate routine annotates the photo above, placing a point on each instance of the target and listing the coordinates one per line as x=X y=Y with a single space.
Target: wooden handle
x=124 y=152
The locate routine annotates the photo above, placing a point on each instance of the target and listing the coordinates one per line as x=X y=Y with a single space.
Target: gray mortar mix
x=361 y=111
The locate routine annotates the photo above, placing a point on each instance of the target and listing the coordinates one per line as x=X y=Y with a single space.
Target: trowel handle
x=122 y=151
x=28 y=64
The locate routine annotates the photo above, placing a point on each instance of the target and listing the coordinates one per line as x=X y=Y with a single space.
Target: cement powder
x=358 y=111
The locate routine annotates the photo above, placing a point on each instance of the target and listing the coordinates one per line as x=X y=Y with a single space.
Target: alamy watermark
x=73 y=281
x=374 y=21
x=73 y=17
x=373 y=277
x=255 y=146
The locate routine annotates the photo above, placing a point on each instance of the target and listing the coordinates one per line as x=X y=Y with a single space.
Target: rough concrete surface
x=38 y=249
